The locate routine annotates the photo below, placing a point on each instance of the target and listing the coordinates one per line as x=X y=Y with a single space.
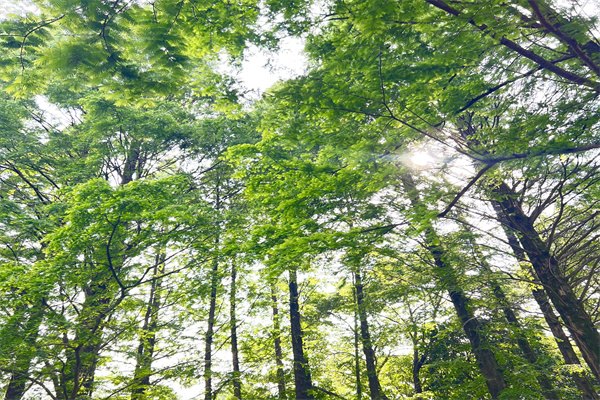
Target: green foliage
x=133 y=176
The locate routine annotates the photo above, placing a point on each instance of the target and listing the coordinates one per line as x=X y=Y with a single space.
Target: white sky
x=20 y=7
x=261 y=69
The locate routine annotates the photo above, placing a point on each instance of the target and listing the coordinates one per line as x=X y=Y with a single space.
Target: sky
x=261 y=69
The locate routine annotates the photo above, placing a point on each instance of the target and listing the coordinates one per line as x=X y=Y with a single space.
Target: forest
x=413 y=214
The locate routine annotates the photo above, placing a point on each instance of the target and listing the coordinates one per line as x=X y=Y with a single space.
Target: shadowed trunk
x=548 y=271
x=486 y=360
x=302 y=378
x=277 y=344
x=356 y=349
x=83 y=352
x=374 y=385
x=145 y=351
x=19 y=370
x=562 y=341
x=237 y=384
x=528 y=352
x=417 y=364
x=77 y=374
x=214 y=283
x=208 y=337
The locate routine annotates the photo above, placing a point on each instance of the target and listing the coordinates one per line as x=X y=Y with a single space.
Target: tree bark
x=417 y=364
x=486 y=360
x=528 y=353
x=374 y=384
x=83 y=352
x=208 y=338
x=562 y=341
x=357 y=349
x=17 y=384
x=214 y=283
x=548 y=271
x=237 y=383
x=545 y=384
x=277 y=345
x=302 y=378
x=145 y=351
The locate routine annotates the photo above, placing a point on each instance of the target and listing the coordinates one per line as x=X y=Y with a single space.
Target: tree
x=153 y=218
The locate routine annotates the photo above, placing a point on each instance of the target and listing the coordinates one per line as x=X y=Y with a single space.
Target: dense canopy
x=415 y=216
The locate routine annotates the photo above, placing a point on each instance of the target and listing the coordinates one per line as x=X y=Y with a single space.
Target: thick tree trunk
x=486 y=359
x=548 y=271
x=77 y=375
x=237 y=383
x=374 y=385
x=145 y=351
x=24 y=355
x=277 y=344
x=564 y=345
x=562 y=341
x=302 y=378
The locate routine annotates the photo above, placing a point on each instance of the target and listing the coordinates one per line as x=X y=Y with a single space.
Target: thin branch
x=539 y=60
x=464 y=190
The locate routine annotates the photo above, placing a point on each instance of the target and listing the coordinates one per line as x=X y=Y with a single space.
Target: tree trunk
x=486 y=360
x=24 y=354
x=357 y=349
x=562 y=341
x=529 y=354
x=214 y=283
x=564 y=345
x=302 y=378
x=417 y=364
x=208 y=339
x=145 y=351
x=83 y=352
x=237 y=384
x=374 y=385
x=277 y=344
x=547 y=269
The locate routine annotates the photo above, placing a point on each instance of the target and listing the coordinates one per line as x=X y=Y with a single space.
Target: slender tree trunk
x=547 y=389
x=277 y=344
x=488 y=365
x=548 y=270
x=24 y=355
x=483 y=354
x=528 y=352
x=214 y=283
x=562 y=341
x=208 y=338
x=357 y=349
x=145 y=351
x=545 y=384
x=417 y=364
x=237 y=383
x=302 y=378
x=374 y=384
